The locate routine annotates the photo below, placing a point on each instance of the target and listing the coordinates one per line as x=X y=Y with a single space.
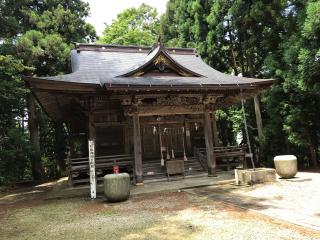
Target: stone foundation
x=250 y=176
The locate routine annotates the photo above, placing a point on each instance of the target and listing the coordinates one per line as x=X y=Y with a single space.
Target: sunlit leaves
x=134 y=26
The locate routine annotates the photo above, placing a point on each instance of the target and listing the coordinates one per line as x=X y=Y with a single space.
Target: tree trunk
x=232 y=50
x=60 y=148
x=36 y=165
x=256 y=109
x=258 y=117
x=313 y=154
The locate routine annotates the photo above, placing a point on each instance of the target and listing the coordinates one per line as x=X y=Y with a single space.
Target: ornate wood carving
x=161 y=62
x=148 y=105
x=164 y=110
x=126 y=101
x=175 y=100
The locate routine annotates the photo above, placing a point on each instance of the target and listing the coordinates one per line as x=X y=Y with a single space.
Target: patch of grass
x=108 y=212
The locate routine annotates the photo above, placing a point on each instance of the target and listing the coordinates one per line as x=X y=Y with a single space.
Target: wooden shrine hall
x=149 y=109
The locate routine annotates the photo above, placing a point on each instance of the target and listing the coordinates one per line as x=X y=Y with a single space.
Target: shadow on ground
x=226 y=193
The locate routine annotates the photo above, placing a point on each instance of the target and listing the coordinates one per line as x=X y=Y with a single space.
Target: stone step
x=192 y=166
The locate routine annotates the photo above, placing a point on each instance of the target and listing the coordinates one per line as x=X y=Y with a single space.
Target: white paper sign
x=93 y=183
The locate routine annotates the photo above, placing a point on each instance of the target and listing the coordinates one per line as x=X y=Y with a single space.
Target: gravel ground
x=294 y=200
x=175 y=215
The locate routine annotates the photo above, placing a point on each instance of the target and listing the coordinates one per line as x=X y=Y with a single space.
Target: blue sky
x=103 y=11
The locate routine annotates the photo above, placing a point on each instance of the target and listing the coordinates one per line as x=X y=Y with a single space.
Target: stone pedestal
x=286 y=165
x=250 y=176
x=116 y=187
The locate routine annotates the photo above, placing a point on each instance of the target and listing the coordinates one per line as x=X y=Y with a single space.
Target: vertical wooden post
x=137 y=149
x=188 y=137
x=215 y=130
x=92 y=165
x=161 y=147
x=126 y=139
x=258 y=116
x=211 y=158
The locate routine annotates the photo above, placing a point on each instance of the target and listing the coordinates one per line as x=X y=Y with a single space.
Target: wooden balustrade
x=80 y=166
x=227 y=157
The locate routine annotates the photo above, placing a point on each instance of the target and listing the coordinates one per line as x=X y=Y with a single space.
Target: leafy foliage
x=134 y=26
x=270 y=39
x=36 y=38
x=14 y=147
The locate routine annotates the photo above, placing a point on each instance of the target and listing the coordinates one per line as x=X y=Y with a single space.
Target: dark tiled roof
x=103 y=64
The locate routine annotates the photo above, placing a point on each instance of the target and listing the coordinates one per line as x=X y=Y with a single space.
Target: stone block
x=250 y=176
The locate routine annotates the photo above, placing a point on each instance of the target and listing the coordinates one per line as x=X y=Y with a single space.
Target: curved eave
x=42 y=84
x=38 y=83
x=134 y=87
x=50 y=94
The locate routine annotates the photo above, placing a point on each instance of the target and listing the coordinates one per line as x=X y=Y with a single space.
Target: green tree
x=40 y=33
x=301 y=75
x=14 y=147
x=134 y=26
x=271 y=39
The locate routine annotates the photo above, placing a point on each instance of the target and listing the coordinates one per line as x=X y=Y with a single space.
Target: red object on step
x=115 y=167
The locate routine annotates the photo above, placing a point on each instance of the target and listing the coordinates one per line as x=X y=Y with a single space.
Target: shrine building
x=141 y=108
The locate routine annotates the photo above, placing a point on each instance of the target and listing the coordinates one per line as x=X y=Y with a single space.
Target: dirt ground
x=175 y=215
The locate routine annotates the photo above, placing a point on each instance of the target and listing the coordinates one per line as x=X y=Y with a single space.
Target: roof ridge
x=128 y=48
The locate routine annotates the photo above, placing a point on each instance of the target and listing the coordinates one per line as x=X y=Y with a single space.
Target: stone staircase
x=152 y=168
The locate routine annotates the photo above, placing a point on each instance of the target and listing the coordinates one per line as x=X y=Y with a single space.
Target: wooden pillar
x=188 y=137
x=126 y=139
x=215 y=130
x=211 y=158
x=258 y=117
x=91 y=146
x=137 y=149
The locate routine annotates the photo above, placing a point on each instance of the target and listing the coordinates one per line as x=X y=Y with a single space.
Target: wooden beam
x=137 y=149
x=91 y=145
x=165 y=110
x=211 y=158
x=110 y=124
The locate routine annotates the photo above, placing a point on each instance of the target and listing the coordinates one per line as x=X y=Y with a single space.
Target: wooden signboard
x=93 y=182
